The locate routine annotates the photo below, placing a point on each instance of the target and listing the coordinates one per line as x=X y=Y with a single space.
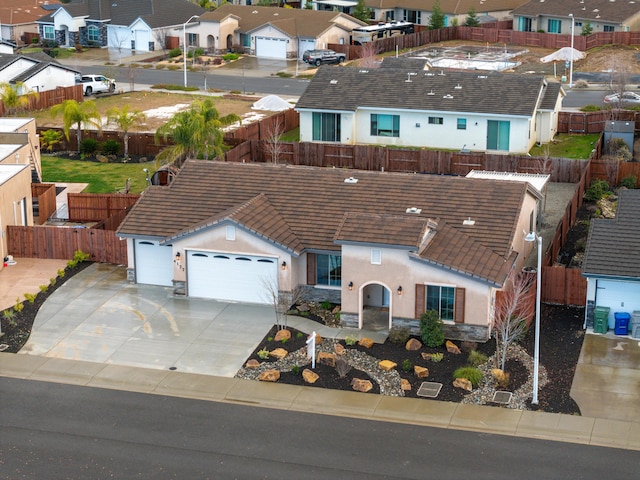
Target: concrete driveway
x=98 y=316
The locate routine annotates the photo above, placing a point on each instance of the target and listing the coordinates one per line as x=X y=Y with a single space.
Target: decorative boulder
x=405 y=385
x=269 y=376
x=339 y=349
x=326 y=358
x=387 y=365
x=282 y=335
x=303 y=308
x=413 y=345
x=253 y=363
x=318 y=339
x=452 y=347
x=309 y=376
x=463 y=383
x=366 y=342
x=421 y=372
x=278 y=353
x=360 y=385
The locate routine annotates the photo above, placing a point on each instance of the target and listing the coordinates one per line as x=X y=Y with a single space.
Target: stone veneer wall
x=311 y=293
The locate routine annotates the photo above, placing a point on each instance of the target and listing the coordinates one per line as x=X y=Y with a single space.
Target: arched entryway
x=229 y=42
x=375 y=306
x=211 y=43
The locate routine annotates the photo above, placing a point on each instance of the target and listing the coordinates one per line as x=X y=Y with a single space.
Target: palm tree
x=74 y=113
x=195 y=133
x=125 y=120
x=13 y=100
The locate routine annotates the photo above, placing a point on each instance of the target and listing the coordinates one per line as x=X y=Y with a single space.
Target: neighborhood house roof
x=40 y=62
x=350 y=88
x=314 y=209
x=537 y=181
x=460 y=7
x=593 y=10
x=613 y=246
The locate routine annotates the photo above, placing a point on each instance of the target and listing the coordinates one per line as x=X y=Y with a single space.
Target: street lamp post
x=184 y=46
x=573 y=26
x=532 y=237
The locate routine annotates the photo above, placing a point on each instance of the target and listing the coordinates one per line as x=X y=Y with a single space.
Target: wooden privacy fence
x=91 y=207
x=593 y=122
x=61 y=243
x=48 y=98
x=44 y=201
x=280 y=122
x=565 y=286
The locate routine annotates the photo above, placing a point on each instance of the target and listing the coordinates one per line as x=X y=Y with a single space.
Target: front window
x=436 y=121
x=385 y=125
x=94 y=33
x=326 y=127
x=442 y=300
x=608 y=28
x=48 y=32
x=554 y=26
x=192 y=39
x=245 y=40
x=329 y=270
x=462 y=124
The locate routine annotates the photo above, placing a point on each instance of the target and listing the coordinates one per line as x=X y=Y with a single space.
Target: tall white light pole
x=532 y=237
x=573 y=26
x=184 y=46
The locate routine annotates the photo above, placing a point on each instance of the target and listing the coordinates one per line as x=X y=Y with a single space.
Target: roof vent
x=458 y=87
x=469 y=222
x=413 y=210
x=351 y=180
x=333 y=82
x=482 y=76
x=255 y=11
x=363 y=71
x=431 y=93
x=429 y=74
x=448 y=96
x=432 y=224
x=441 y=73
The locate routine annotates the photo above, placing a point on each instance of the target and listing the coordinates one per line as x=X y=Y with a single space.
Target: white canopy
x=272 y=103
x=563 y=55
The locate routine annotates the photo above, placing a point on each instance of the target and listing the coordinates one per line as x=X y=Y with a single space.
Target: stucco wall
x=15 y=188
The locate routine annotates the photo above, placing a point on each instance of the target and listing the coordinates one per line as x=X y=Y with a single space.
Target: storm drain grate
x=502 y=397
x=429 y=389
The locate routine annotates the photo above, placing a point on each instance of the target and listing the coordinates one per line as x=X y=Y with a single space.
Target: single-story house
x=15 y=198
x=555 y=17
x=420 y=11
x=7 y=47
x=37 y=72
x=612 y=260
x=18 y=20
x=364 y=239
x=269 y=32
x=459 y=110
x=140 y=25
x=20 y=144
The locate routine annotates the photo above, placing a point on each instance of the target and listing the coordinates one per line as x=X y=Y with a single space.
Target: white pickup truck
x=96 y=84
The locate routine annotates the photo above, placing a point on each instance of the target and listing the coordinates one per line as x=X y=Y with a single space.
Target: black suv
x=318 y=57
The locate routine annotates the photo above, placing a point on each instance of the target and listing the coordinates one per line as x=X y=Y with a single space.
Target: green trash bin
x=601 y=319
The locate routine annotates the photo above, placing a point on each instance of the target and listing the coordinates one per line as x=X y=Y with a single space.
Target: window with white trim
x=376 y=256
x=436 y=121
x=231 y=232
x=93 y=33
x=442 y=299
x=48 y=32
x=385 y=125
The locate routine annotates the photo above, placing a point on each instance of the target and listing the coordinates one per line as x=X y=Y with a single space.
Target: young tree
x=194 y=132
x=361 y=12
x=273 y=145
x=513 y=312
x=79 y=114
x=587 y=28
x=125 y=120
x=368 y=57
x=161 y=35
x=436 y=20
x=281 y=301
x=15 y=97
x=472 y=18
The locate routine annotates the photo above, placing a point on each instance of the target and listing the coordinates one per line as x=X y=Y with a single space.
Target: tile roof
x=407 y=230
x=593 y=10
x=311 y=204
x=350 y=88
x=292 y=21
x=17 y=12
x=613 y=246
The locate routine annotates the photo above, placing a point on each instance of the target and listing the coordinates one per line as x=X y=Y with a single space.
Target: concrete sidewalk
x=432 y=413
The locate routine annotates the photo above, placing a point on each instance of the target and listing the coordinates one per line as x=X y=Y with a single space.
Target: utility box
x=622 y=323
x=601 y=319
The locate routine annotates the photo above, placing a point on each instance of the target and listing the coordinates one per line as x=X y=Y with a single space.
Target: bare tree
x=368 y=54
x=620 y=77
x=281 y=301
x=119 y=36
x=161 y=35
x=513 y=312
x=273 y=144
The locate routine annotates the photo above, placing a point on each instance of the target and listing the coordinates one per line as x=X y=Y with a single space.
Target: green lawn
x=568 y=146
x=101 y=177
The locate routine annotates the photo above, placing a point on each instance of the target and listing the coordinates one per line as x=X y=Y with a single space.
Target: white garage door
x=224 y=276
x=154 y=263
x=306 y=45
x=618 y=296
x=267 y=47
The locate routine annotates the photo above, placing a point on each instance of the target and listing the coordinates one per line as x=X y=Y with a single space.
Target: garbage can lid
x=622 y=316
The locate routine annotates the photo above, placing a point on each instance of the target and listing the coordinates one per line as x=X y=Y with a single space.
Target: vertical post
x=573 y=25
x=184 y=47
x=536 y=352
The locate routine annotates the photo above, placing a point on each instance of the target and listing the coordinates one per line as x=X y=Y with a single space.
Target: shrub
x=30 y=297
x=350 y=340
x=299 y=335
x=175 y=52
x=43 y=288
x=501 y=378
x=72 y=263
x=60 y=272
x=596 y=191
x=326 y=305
x=580 y=84
x=10 y=316
x=476 y=358
x=472 y=374
x=52 y=281
x=80 y=256
x=629 y=181
x=227 y=57
x=110 y=147
x=399 y=335
x=296 y=369
x=437 y=357
x=19 y=306
x=88 y=146
x=431 y=327
x=590 y=108
x=263 y=354
x=269 y=339
x=407 y=366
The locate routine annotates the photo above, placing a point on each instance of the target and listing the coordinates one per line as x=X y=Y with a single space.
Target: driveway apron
x=98 y=316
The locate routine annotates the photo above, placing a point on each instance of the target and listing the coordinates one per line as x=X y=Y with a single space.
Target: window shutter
x=311 y=268
x=459 y=307
x=421 y=299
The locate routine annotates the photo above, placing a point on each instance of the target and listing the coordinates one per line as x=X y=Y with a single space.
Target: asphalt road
x=57 y=431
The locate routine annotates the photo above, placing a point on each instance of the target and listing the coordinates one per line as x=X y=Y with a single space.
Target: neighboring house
x=364 y=239
x=7 y=47
x=269 y=32
x=38 y=72
x=20 y=144
x=420 y=11
x=18 y=20
x=140 y=25
x=555 y=17
x=457 y=110
x=15 y=198
x=612 y=260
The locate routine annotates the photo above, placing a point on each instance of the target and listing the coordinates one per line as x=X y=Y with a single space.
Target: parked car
x=96 y=84
x=318 y=57
x=627 y=98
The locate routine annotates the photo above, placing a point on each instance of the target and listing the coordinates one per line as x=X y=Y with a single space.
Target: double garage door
x=269 y=47
x=224 y=276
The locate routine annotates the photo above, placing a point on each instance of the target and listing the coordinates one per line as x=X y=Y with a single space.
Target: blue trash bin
x=622 y=323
